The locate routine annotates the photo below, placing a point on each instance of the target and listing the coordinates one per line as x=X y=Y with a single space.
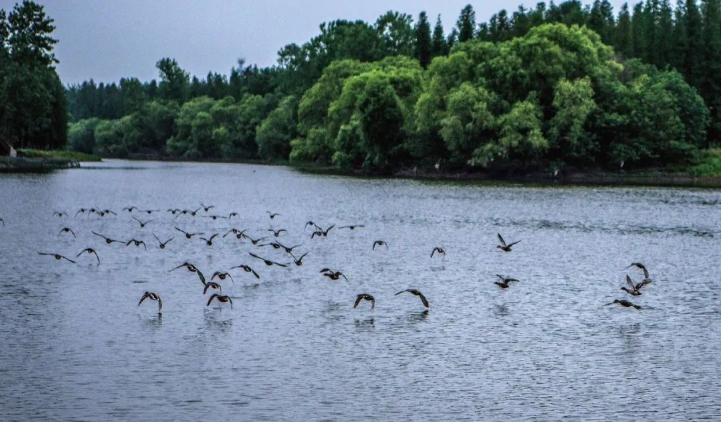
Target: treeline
x=33 y=110
x=512 y=90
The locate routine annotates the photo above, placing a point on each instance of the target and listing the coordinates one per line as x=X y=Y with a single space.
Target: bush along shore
x=40 y=161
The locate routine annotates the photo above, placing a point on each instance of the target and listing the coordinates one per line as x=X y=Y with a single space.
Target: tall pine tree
x=466 y=24
x=423 y=40
x=439 y=47
x=624 y=33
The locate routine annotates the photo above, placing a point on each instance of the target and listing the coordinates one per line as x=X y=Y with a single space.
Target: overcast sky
x=109 y=39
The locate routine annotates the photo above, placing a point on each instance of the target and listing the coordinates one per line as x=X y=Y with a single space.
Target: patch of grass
x=58 y=155
x=708 y=164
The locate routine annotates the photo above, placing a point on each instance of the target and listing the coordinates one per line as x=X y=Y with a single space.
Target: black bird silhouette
x=353 y=227
x=107 y=239
x=236 y=232
x=209 y=242
x=161 y=243
x=173 y=210
x=278 y=245
x=380 y=243
x=310 y=223
x=416 y=293
x=137 y=243
x=191 y=212
x=233 y=214
x=438 y=250
x=67 y=230
x=152 y=296
x=247 y=269
x=214 y=217
x=60 y=213
x=277 y=233
x=212 y=285
x=505 y=281
x=89 y=250
x=192 y=268
x=103 y=212
x=142 y=223
x=81 y=211
x=207 y=208
x=254 y=241
x=130 y=208
x=634 y=289
x=268 y=262
x=148 y=211
x=364 y=296
x=320 y=232
x=333 y=275
x=57 y=256
x=646 y=276
x=503 y=246
x=220 y=298
x=298 y=261
x=222 y=276
x=624 y=303
x=188 y=235
x=272 y=215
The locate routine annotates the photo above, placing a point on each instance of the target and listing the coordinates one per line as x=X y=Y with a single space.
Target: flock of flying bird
x=632 y=288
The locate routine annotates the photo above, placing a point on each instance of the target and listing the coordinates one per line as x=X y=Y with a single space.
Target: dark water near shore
x=75 y=346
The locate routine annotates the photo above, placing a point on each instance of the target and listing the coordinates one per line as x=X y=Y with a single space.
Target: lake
x=76 y=345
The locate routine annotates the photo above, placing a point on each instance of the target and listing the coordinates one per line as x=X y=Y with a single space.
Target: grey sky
x=107 y=40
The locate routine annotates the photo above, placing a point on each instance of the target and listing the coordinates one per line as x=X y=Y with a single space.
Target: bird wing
x=256 y=256
x=645 y=272
x=156 y=238
x=500 y=238
x=96 y=256
x=254 y=273
x=501 y=277
x=211 y=298
x=68 y=259
x=402 y=291
x=357 y=301
x=207 y=286
x=215 y=274
x=46 y=253
x=630 y=283
x=200 y=276
x=142 y=299
x=424 y=300
x=514 y=243
x=279 y=264
x=184 y=232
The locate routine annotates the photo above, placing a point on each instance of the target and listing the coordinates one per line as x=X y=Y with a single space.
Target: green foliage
x=58 y=155
x=424 y=49
x=275 y=132
x=81 y=135
x=574 y=102
x=708 y=164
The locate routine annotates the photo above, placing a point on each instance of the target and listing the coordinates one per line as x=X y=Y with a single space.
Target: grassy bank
x=61 y=155
x=708 y=164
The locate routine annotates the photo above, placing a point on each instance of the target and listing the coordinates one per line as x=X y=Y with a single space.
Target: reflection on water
x=75 y=345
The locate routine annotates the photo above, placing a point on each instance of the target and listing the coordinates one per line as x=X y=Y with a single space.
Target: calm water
x=75 y=345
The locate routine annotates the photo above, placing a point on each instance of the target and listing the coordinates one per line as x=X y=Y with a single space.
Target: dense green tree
x=424 y=48
x=396 y=34
x=466 y=24
x=81 y=135
x=624 y=33
x=277 y=130
x=174 y=81
x=439 y=44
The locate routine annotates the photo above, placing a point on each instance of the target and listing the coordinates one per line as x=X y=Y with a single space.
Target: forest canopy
x=546 y=87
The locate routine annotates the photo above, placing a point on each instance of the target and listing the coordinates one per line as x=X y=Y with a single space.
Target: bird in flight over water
x=505 y=281
x=364 y=296
x=416 y=293
x=221 y=298
x=503 y=246
x=57 y=256
x=90 y=251
x=625 y=304
x=152 y=296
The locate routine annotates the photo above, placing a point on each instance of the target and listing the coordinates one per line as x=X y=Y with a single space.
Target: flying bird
x=268 y=262
x=416 y=293
x=220 y=298
x=320 y=232
x=236 y=232
x=233 y=214
x=137 y=243
x=298 y=261
x=67 y=230
x=81 y=211
x=438 y=250
x=152 y=296
x=130 y=208
x=212 y=285
x=142 y=223
x=57 y=256
x=380 y=243
x=503 y=246
x=364 y=296
x=646 y=276
x=214 y=217
x=222 y=276
x=333 y=275
x=624 y=303
x=91 y=251
x=161 y=243
x=254 y=241
x=148 y=211
x=505 y=281
x=277 y=233
x=272 y=215
x=206 y=208
x=353 y=227
x=107 y=239
x=634 y=289
x=209 y=242
x=192 y=268
x=247 y=269
x=188 y=235
x=60 y=214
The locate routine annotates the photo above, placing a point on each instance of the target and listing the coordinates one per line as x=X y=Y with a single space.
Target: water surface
x=75 y=345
